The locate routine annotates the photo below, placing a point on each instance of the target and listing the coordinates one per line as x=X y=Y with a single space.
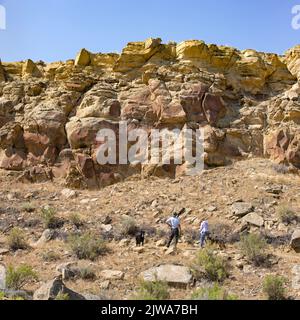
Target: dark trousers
x=174 y=234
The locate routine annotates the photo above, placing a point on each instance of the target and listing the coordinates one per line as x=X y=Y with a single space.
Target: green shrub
x=76 y=220
x=87 y=273
x=17 y=278
x=156 y=290
x=253 y=246
x=273 y=287
x=87 y=246
x=16 y=240
x=128 y=226
x=50 y=256
x=28 y=207
x=3 y=297
x=62 y=296
x=49 y=218
x=215 y=267
x=286 y=214
x=212 y=293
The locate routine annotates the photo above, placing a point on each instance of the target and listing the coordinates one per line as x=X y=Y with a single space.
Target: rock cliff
x=248 y=102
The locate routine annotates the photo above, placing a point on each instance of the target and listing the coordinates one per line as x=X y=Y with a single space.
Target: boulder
x=30 y=69
x=240 y=209
x=174 y=275
x=68 y=270
x=112 y=275
x=106 y=227
x=253 y=219
x=46 y=236
x=2 y=73
x=51 y=289
x=2 y=277
x=83 y=58
x=69 y=194
x=296 y=277
x=295 y=241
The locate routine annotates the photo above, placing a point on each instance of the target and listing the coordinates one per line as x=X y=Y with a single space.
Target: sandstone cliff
x=247 y=101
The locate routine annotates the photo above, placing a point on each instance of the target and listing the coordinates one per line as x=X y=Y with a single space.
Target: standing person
x=174 y=224
x=204 y=230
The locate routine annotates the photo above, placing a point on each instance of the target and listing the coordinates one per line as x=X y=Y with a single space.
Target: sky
x=53 y=30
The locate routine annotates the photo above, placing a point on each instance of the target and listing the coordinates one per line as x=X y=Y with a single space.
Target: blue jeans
x=203 y=236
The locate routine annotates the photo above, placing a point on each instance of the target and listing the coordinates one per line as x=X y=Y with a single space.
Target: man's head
x=175 y=215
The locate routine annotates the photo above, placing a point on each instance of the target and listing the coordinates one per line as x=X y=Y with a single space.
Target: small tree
x=273 y=287
x=17 y=278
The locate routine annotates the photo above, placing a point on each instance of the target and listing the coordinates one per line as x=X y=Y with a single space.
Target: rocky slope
x=247 y=193
x=247 y=102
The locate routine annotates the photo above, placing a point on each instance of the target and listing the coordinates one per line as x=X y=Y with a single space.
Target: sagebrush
x=17 y=278
x=273 y=287
x=215 y=267
x=87 y=246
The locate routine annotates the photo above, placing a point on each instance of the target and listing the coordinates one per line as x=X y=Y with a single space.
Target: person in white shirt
x=174 y=224
x=204 y=230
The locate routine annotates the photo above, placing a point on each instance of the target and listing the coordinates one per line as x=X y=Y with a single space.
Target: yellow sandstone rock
x=83 y=58
x=30 y=69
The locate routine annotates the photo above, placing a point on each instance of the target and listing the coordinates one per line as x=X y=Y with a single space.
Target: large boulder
x=30 y=69
x=295 y=240
x=240 y=209
x=83 y=58
x=253 y=219
x=174 y=275
x=51 y=289
x=112 y=275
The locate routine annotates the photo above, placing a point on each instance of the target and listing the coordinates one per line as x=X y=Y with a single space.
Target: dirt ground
x=150 y=202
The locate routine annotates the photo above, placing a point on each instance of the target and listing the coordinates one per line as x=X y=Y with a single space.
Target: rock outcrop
x=247 y=102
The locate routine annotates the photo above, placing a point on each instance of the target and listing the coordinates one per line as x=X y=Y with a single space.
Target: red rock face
x=13 y=160
x=284 y=147
x=293 y=152
x=201 y=106
x=191 y=100
x=167 y=110
x=213 y=107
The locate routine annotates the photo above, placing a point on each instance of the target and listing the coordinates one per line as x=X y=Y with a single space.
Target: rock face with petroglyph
x=247 y=102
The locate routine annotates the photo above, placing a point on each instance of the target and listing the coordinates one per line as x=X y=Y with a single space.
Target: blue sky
x=53 y=30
